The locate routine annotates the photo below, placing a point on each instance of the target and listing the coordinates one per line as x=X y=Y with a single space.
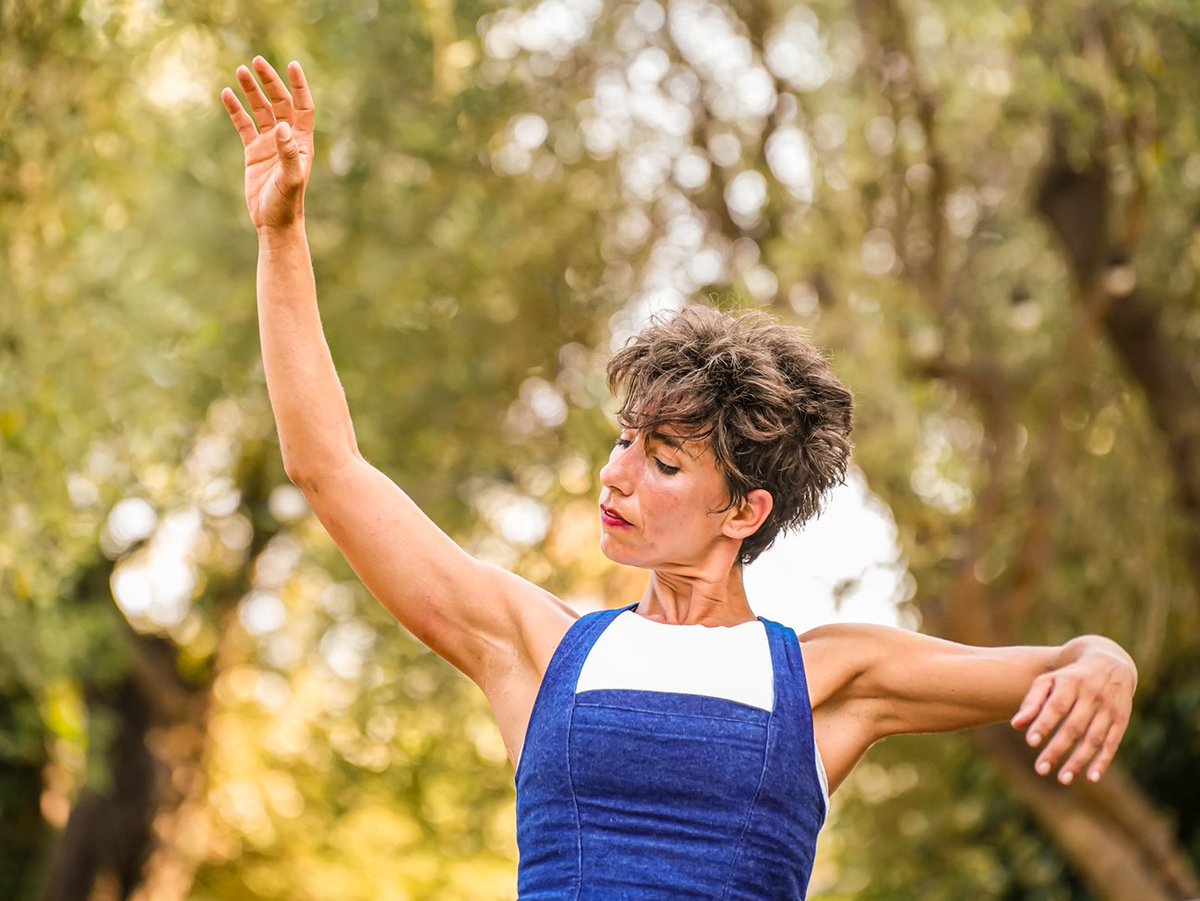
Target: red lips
x=611 y=517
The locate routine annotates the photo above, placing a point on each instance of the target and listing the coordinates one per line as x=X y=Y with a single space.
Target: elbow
x=297 y=474
x=306 y=462
x=297 y=478
x=310 y=477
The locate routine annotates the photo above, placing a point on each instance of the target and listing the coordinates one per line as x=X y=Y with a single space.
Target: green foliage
x=471 y=279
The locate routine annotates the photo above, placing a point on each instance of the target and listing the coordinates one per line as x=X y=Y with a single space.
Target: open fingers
x=277 y=92
x=1108 y=751
x=259 y=105
x=241 y=120
x=1073 y=728
x=301 y=96
x=1046 y=705
x=1032 y=705
x=1089 y=746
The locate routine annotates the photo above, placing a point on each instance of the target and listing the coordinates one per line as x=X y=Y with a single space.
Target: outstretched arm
x=475 y=616
x=1074 y=701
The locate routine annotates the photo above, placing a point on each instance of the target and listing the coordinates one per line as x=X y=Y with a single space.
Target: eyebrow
x=669 y=440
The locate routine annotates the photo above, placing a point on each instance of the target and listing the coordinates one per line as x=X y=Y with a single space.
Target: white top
x=732 y=662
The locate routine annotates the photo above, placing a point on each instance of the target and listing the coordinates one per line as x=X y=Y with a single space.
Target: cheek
x=681 y=510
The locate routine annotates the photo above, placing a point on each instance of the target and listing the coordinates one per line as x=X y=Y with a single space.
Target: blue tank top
x=648 y=795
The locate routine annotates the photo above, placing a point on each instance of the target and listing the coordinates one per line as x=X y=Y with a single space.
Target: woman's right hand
x=278 y=141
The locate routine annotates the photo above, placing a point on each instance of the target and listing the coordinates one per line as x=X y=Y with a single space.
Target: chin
x=617 y=554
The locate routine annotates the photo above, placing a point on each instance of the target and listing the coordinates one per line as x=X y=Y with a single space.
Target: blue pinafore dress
x=629 y=795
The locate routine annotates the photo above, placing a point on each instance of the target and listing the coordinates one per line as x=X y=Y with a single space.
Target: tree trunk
x=108 y=835
x=121 y=839
x=1122 y=847
x=1160 y=365
x=23 y=830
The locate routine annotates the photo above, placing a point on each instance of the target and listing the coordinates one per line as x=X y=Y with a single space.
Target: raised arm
x=313 y=420
x=1074 y=700
x=476 y=616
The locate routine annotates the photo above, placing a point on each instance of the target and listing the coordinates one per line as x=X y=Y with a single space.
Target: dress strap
x=792 y=701
x=557 y=691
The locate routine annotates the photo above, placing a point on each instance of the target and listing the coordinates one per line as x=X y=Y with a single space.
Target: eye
x=622 y=442
x=664 y=468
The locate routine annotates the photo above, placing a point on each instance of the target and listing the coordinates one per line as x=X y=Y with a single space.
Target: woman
x=681 y=746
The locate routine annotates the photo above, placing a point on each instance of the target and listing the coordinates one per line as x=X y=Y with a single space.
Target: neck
x=691 y=600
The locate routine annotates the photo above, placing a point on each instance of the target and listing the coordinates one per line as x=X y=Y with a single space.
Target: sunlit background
x=986 y=212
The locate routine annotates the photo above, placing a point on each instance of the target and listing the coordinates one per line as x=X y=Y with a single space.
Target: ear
x=743 y=521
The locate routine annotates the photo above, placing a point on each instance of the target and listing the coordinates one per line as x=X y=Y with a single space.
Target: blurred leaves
x=501 y=194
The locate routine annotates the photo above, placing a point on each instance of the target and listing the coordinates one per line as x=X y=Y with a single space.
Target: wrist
x=1081 y=646
x=1086 y=645
x=270 y=236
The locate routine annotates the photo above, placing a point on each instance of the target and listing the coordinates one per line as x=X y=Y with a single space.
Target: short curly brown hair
x=758 y=392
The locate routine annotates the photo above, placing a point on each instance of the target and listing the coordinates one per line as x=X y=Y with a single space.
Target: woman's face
x=662 y=502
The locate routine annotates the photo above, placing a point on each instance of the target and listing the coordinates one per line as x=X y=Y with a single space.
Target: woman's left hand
x=1088 y=699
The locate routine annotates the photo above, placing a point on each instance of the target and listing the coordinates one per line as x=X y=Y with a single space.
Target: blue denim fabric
x=648 y=795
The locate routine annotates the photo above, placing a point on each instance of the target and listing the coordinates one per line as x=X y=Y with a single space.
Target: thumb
x=289 y=152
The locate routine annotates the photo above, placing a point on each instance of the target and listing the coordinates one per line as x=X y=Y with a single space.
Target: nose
x=616 y=475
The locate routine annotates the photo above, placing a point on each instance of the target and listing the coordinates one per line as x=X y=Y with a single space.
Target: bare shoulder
x=836 y=655
x=539 y=622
